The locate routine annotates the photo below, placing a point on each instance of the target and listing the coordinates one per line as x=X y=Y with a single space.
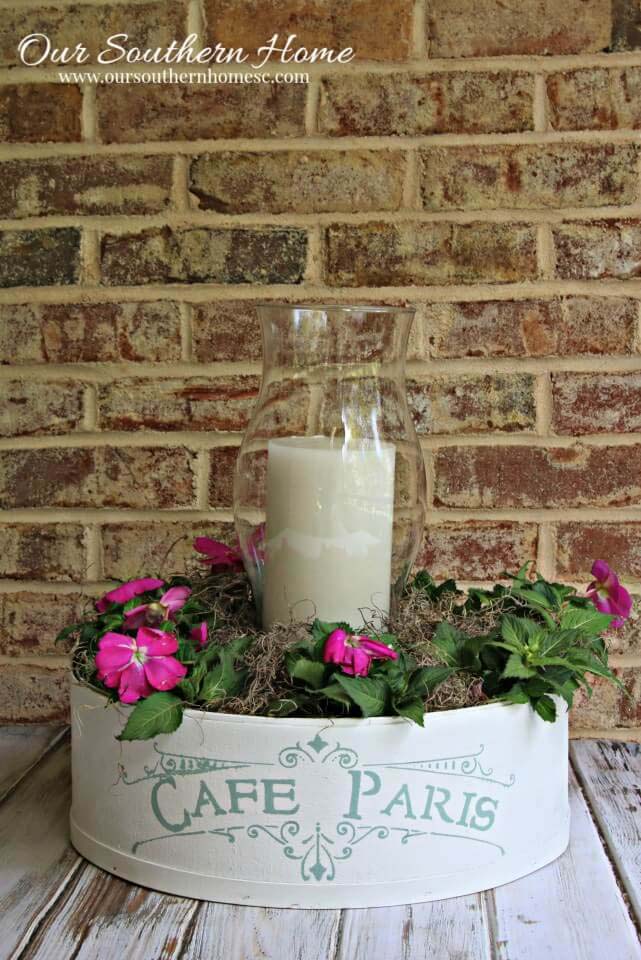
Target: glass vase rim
x=369 y=308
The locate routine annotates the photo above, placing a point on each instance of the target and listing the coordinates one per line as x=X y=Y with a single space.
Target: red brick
x=384 y=254
x=596 y=403
x=595 y=98
x=374 y=31
x=33 y=694
x=216 y=404
x=598 y=249
x=149 y=549
x=626 y=25
x=140 y=114
x=30 y=622
x=29 y=408
x=136 y=478
x=558 y=477
x=299 y=181
x=45 y=551
x=529 y=328
x=222 y=463
x=40 y=113
x=476 y=550
x=89 y=332
x=37 y=258
x=579 y=544
x=85 y=185
x=147 y=25
x=402 y=104
x=528 y=176
x=205 y=255
x=473 y=404
x=226 y=331
x=609 y=708
x=491 y=28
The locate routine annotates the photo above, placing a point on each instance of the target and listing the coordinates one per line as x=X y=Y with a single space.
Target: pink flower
x=607 y=594
x=128 y=590
x=139 y=666
x=199 y=634
x=355 y=652
x=159 y=610
x=218 y=555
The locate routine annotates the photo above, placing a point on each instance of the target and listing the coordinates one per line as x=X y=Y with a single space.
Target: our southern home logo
x=280 y=802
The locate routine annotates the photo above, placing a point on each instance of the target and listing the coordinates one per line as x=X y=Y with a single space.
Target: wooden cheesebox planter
x=321 y=813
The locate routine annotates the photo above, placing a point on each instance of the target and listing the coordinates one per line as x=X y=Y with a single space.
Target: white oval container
x=320 y=813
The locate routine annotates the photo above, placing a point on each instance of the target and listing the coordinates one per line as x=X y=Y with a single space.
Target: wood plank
x=225 y=932
x=610 y=774
x=21 y=746
x=101 y=917
x=421 y=931
x=37 y=861
x=572 y=908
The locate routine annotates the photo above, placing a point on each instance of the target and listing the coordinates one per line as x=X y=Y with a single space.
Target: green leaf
x=238 y=646
x=513 y=632
x=311 y=672
x=446 y=640
x=159 y=713
x=368 y=693
x=283 y=707
x=516 y=695
x=425 y=680
x=546 y=708
x=334 y=691
x=222 y=681
x=515 y=667
x=590 y=621
x=412 y=709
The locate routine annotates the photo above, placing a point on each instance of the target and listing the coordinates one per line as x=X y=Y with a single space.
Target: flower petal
x=163 y=673
x=133 y=684
x=377 y=649
x=113 y=659
x=361 y=662
x=335 y=647
x=157 y=643
x=126 y=591
x=199 y=634
x=136 y=617
x=175 y=598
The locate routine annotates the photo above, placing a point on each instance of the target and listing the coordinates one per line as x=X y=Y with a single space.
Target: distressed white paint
x=21 y=746
x=571 y=910
x=610 y=774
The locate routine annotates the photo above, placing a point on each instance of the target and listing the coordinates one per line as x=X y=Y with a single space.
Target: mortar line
x=420 y=370
x=419 y=47
x=540 y=106
x=93 y=547
x=175 y=218
x=527 y=63
x=181 y=198
x=315 y=256
x=411 y=183
x=544 y=404
x=202 y=473
x=312 y=106
x=545 y=554
x=186 y=334
x=90 y=256
x=195 y=20
x=637 y=334
x=39 y=151
x=88 y=114
x=90 y=408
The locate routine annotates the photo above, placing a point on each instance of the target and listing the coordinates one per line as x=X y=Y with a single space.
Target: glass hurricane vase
x=329 y=488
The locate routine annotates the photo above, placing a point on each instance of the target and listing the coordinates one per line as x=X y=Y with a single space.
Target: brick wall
x=479 y=160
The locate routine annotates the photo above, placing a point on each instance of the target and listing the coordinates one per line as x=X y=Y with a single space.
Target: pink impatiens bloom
x=608 y=595
x=355 y=652
x=217 y=554
x=199 y=634
x=128 y=590
x=138 y=666
x=159 y=610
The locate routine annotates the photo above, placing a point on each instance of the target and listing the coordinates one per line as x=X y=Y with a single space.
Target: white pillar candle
x=330 y=509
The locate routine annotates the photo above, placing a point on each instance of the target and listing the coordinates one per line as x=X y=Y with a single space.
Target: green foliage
x=527 y=641
x=159 y=713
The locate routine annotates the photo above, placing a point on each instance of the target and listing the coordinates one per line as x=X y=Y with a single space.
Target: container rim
x=349 y=307
x=342 y=722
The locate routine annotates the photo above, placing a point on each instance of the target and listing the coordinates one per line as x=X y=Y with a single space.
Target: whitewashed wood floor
x=55 y=905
